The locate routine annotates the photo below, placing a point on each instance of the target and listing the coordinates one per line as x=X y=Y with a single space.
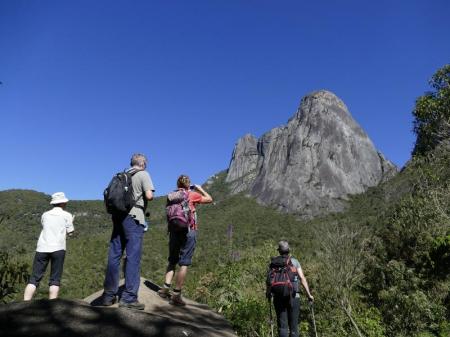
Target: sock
x=167 y=286
x=177 y=292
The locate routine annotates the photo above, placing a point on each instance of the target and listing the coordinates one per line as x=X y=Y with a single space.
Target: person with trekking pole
x=283 y=278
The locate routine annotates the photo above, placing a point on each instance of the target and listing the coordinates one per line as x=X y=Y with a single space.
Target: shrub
x=12 y=274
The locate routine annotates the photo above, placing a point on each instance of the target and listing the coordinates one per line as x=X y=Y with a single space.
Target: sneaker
x=164 y=292
x=177 y=300
x=132 y=305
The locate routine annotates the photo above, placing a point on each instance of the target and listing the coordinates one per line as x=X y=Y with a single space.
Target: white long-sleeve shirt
x=56 y=223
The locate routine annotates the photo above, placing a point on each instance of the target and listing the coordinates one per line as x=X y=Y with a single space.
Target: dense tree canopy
x=432 y=113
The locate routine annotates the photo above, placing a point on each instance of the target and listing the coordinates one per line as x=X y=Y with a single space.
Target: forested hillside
x=380 y=268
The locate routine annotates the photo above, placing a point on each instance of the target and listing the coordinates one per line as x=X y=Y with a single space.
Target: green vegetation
x=12 y=273
x=380 y=268
x=409 y=274
x=432 y=113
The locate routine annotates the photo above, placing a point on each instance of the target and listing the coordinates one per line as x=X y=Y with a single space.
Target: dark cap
x=283 y=247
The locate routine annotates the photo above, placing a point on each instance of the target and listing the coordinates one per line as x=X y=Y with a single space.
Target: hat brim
x=62 y=201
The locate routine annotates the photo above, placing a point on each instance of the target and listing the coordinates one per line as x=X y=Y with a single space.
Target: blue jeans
x=127 y=235
x=287 y=315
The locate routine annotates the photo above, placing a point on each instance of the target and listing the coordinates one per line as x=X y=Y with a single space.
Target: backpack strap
x=132 y=171
x=288 y=261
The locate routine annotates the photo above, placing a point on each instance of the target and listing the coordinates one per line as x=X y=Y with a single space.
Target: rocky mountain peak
x=310 y=165
x=323 y=97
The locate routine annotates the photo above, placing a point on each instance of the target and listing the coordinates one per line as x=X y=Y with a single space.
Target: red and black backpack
x=282 y=276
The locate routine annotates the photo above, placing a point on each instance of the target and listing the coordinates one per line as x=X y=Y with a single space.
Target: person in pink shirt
x=182 y=243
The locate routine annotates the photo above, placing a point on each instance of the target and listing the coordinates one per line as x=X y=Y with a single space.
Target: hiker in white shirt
x=51 y=246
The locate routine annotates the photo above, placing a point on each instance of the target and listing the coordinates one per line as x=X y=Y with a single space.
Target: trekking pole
x=271 y=317
x=311 y=307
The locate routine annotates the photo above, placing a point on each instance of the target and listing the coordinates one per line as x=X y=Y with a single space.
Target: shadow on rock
x=70 y=318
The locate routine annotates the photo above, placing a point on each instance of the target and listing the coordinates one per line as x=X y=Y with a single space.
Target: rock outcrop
x=70 y=318
x=311 y=165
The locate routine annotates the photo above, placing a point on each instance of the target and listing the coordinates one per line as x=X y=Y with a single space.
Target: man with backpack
x=182 y=226
x=51 y=247
x=126 y=200
x=283 y=279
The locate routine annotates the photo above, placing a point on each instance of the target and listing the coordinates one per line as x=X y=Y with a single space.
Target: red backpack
x=282 y=277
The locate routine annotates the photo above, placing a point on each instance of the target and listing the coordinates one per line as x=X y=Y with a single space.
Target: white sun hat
x=58 y=198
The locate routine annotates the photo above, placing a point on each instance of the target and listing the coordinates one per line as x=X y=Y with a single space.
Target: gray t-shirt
x=297 y=265
x=142 y=182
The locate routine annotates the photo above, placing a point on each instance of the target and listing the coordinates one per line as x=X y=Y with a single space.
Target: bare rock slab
x=70 y=318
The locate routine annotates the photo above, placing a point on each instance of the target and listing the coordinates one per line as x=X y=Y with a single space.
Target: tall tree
x=432 y=113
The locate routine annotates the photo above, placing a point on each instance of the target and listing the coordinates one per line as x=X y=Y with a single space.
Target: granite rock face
x=311 y=165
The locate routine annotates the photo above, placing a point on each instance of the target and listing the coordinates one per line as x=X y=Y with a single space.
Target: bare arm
x=149 y=195
x=206 y=198
x=304 y=283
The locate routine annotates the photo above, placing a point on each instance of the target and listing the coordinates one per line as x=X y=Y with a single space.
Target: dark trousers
x=182 y=247
x=127 y=235
x=287 y=315
x=40 y=264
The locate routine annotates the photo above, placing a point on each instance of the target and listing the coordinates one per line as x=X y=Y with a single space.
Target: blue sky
x=88 y=83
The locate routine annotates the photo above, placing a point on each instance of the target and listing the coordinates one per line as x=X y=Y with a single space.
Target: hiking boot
x=164 y=292
x=132 y=305
x=177 y=300
x=104 y=302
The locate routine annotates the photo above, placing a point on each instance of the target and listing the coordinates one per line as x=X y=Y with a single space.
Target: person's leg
x=176 y=239
x=28 y=294
x=53 y=292
x=186 y=254
x=40 y=263
x=181 y=277
x=56 y=269
x=281 y=309
x=116 y=248
x=133 y=233
x=293 y=312
x=170 y=271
